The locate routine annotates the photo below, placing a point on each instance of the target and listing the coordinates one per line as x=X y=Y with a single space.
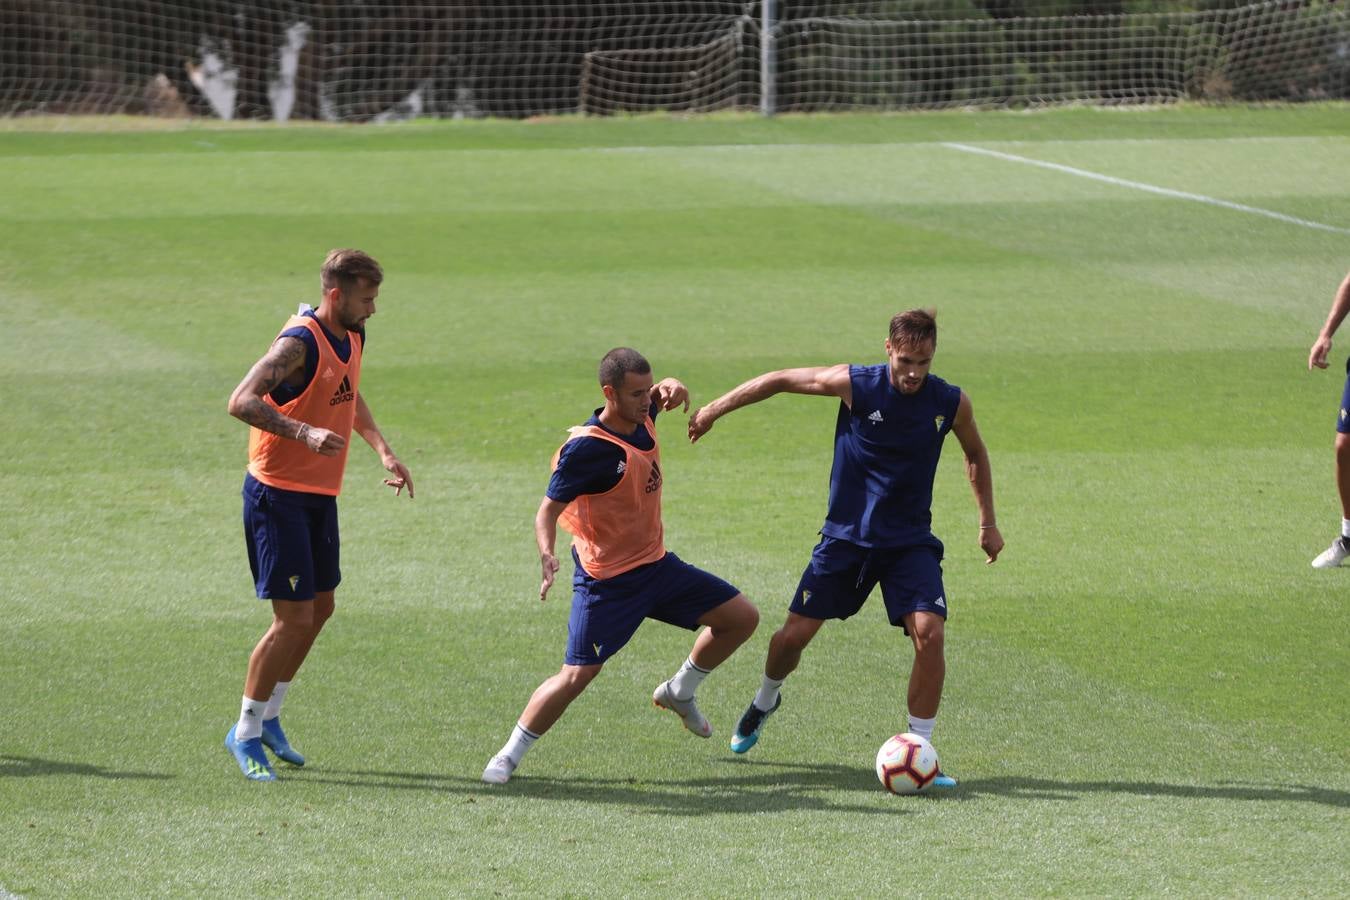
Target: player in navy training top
x=1339 y=550
x=892 y=421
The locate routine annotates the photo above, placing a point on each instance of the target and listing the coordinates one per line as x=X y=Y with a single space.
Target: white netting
x=684 y=79
x=345 y=60
x=1285 y=50
x=375 y=60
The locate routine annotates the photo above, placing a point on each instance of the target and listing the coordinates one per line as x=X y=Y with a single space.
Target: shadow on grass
x=32 y=767
x=757 y=787
x=1046 y=789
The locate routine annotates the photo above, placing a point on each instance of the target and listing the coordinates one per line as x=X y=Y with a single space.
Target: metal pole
x=767 y=73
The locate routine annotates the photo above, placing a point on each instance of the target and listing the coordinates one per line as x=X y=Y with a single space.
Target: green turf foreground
x=1146 y=695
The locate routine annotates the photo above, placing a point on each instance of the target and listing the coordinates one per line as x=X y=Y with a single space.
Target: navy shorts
x=292 y=541
x=1343 y=422
x=842 y=574
x=606 y=612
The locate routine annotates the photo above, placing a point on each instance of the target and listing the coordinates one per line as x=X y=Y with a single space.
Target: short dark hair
x=344 y=268
x=619 y=362
x=914 y=327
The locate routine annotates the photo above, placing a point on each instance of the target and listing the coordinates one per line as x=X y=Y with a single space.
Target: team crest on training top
x=938 y=420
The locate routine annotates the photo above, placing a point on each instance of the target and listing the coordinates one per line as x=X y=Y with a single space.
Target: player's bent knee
x=928 y=639
x=294 y=616
x=744 y=617
x=574 y=679
x=751 y=617
x=794 y=636
x=737 y=616
x=323 y=607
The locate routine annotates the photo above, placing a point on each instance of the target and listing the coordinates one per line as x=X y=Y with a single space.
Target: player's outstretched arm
x=285 y=358
x=828 y=381
x=366 y=427
x=1340 y=306
x=546 y=536
x=981 y=478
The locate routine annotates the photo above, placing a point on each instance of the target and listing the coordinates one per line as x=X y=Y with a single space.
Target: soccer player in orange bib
x=302 y=400
x=606 y=490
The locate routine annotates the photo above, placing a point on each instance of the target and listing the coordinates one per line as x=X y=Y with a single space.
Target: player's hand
x=700 y=423
x=1318 y=355
x=549 y=563
x=402 y=477
x=323 y=441
x=991 y=542
x=670 y=393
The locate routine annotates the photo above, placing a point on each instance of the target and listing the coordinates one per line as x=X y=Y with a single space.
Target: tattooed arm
x=285 y=360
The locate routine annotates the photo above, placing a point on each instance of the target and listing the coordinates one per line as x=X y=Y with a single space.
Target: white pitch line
x=1150 y=188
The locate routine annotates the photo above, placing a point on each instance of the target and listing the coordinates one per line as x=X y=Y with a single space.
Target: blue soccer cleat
x=249 y=754
x=748 y=729
x=943 y=782
x=274 y=739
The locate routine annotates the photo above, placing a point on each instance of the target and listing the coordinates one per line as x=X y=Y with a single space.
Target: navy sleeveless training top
x=886 y=450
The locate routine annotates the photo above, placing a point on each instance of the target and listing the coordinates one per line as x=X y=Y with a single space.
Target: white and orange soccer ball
x=906 y=764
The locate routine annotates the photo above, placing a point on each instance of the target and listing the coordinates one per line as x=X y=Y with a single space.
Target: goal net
x=379 y=60
x=1276 y=50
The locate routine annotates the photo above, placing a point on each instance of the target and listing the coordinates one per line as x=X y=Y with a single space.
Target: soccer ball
x=906 y=764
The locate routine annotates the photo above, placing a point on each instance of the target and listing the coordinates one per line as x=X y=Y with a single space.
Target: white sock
x=922 y=727
x=1345 y=528
x=686 y=681
x=522 y=739
x=274 y=702
x=768 y=693
x=250 y=719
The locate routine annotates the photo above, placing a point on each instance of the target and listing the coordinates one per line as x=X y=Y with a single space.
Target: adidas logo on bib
x=344 y=393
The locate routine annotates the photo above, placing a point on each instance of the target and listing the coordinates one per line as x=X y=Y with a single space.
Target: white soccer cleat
x=687 y=710
x=1333 y=556
x=499 y=769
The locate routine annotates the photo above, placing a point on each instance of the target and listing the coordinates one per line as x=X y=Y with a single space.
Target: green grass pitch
x=1146 y=695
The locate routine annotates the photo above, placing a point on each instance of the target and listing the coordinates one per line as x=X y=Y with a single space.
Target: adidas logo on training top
x=623 y=467
x=875 y=417
x=654 y=481
x=343 y=394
